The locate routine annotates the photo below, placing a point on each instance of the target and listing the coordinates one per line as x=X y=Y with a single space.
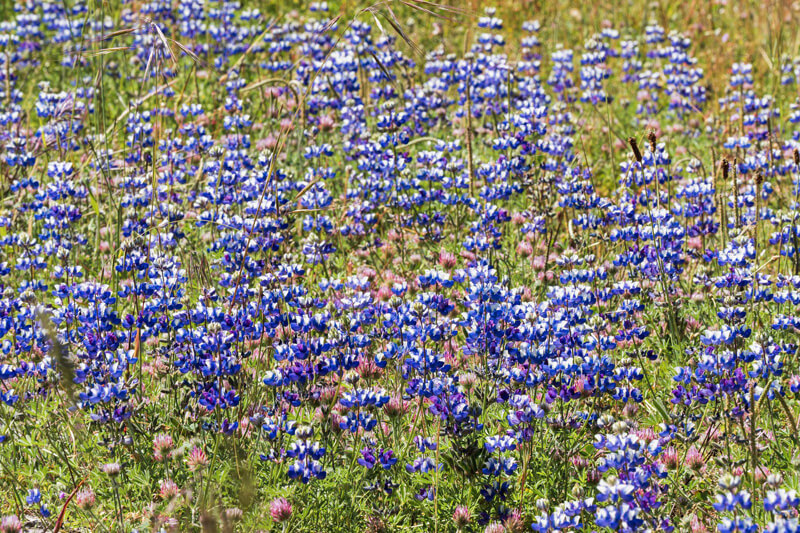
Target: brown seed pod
x=635 y=147
x=725 y=167
x=796 y=157
x=652 y=138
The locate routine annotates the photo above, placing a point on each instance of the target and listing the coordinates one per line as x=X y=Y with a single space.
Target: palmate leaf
x=466 y=456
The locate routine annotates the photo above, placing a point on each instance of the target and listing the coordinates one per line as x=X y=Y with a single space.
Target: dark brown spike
x=635 y=147
x=653 y=139
x=725 y=169
x=797 y=157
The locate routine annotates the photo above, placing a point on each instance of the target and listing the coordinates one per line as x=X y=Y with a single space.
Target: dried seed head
x=652 y=138
x=759 y=177
x=635 y=147
x=112 y=469
x=796 y=157
x=725 y=168
x=234 y=514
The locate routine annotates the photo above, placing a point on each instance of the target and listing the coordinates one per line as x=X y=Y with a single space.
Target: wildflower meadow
x=399 y=266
